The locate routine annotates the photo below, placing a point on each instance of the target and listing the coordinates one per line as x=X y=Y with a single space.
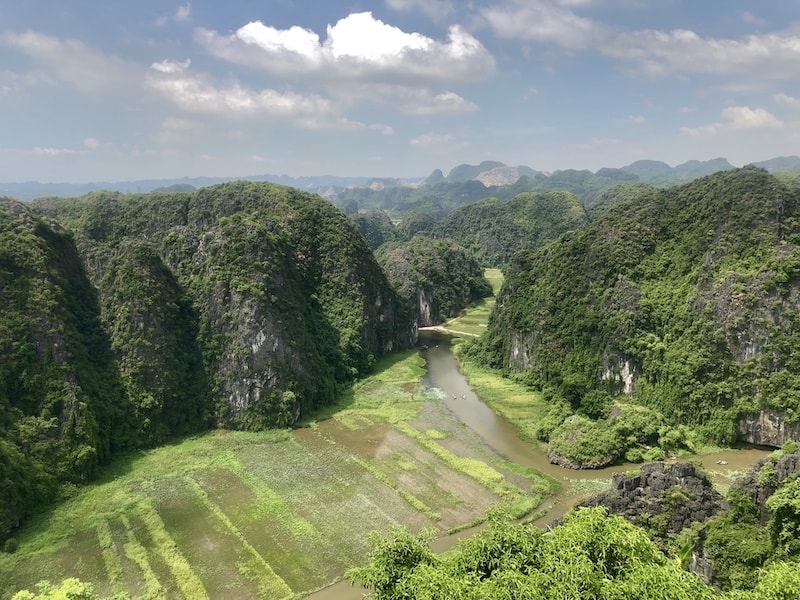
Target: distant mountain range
x=489 y=173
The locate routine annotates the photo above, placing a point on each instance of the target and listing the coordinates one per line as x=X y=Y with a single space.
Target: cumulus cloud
x=199 y=94
x=70 y=61
x=659 y=53
x=356 y=47
x=737 y=118
x=544 y=22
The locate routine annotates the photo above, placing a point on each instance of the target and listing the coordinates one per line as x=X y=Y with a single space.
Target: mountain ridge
x=330 y=185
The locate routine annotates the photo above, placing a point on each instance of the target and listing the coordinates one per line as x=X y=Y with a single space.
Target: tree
x=784 y=524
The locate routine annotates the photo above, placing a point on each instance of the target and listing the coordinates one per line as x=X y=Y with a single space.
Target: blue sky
x=112 y=90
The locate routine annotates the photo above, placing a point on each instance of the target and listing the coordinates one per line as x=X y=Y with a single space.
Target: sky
x=107 y=90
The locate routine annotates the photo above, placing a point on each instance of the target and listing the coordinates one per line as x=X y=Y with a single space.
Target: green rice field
x=275 y=514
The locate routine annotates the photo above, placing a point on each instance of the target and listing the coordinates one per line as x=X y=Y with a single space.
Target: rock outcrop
x=663 y=497
x=767 y=428
x=765 y=477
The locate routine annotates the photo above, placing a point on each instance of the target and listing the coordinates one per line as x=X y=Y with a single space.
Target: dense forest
x=682 y=304
x=652 y=320
x=127 y=320
x=494 y=230
x=437 y=277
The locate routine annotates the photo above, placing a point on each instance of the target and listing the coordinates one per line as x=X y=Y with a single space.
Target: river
x=443 y=373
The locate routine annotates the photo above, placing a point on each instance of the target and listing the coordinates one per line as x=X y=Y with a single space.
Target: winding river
x=443 y=373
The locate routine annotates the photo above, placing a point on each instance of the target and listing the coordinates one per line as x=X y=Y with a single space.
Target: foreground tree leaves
x=591 y=555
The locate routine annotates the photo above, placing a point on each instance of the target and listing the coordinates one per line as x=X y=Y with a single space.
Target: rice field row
x=269 y=515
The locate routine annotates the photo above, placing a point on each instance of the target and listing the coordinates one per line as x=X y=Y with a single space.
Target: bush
x=10 y=545
x=585 y=443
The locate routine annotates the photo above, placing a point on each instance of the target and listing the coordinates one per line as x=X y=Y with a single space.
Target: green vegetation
x=590 y=555
x=438 y=277
x=128 y=320
x=277 y=513
x=593 y=554
x=684 y=300
x=472 y=321
x=377 y=228
x=493 y=230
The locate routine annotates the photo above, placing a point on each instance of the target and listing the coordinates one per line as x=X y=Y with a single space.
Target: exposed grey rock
x=663 y=497
x=767 y=428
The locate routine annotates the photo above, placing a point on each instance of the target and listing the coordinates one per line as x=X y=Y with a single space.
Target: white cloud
x=447 y=102
x=171 y=66
x=637 y=119
x=357 y=47
x=407 y=99
x=91 y=143
x=786 y=100
x=55 y=152
x=197 y=94
x=659 y=53
x=342 y=124
x=544 y=22
x=70 y=61
x=737 y=118
x=183 y=12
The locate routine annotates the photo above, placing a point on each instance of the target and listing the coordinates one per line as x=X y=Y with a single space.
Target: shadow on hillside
x=346 y=395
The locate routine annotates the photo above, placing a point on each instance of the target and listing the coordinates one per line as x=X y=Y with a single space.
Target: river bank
x=457 y=397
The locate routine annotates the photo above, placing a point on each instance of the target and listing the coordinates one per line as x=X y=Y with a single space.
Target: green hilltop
x=126 y=320
x=684 y=301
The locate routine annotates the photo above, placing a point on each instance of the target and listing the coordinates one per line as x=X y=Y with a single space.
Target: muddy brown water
x=459 y=398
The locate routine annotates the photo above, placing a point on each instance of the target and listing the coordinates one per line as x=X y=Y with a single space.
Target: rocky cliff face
x=281 y=295
x=767 y=428
x=765 y=477
x=687 y=299
x=62 y=405
x=125 y=320
x=664 y=498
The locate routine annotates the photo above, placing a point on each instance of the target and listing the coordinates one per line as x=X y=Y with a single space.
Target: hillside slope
x=436 y=277
x=687 y=299
x=149 y=316
x=494 y=230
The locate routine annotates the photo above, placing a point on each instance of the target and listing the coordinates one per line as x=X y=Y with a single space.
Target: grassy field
x=472 y=322
x=274 y=514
